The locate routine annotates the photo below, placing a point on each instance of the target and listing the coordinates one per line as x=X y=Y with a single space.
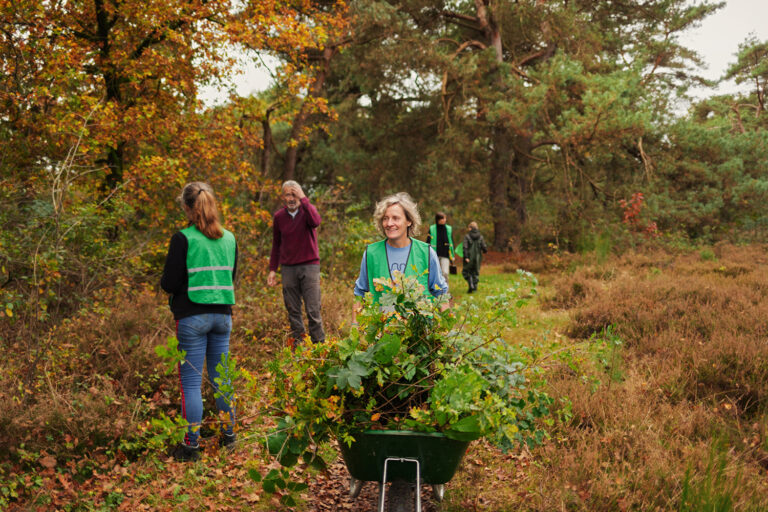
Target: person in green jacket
x=440 y=238
x=199 y=274
x=473 y=246
x=397 y=219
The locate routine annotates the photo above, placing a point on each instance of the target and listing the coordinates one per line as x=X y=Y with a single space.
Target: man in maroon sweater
x=294 y=249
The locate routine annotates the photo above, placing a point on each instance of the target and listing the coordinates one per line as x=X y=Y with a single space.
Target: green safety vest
x=377 y=264
x=433 y=238
x=209 y=267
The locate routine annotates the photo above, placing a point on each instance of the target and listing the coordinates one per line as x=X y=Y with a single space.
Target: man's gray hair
x=409 y=207
x=290 y=183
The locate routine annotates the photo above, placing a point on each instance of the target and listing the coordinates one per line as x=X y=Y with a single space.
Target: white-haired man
x=294 y=251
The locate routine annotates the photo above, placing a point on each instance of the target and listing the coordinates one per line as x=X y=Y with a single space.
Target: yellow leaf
x=375 y=417
x=9 y=311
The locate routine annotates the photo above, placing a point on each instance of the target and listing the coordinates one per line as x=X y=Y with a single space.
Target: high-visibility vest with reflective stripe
x=433 y=238
x=377 y=264
x=209 y=267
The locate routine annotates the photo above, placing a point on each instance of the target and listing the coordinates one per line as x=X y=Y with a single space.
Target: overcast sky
x=717 y=40
x=719 y=36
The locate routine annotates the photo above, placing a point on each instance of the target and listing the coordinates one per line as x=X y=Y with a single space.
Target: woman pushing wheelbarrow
x=410 y=386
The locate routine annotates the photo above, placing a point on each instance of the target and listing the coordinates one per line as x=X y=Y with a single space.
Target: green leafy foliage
x=171 y=354
x=411 y=364
x=154 y=435
x=606 y=349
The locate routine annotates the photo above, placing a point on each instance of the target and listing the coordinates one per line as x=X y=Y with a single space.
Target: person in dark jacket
x=294 y=250
x=199 y=274
x=474 y=246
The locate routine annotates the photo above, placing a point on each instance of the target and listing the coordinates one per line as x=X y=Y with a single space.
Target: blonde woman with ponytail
x=199 y=274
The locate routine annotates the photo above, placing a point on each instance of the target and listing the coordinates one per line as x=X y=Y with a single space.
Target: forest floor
x=660 y=381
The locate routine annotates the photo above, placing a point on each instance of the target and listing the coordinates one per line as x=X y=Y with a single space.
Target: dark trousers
x=302 y=282
x=472 y=275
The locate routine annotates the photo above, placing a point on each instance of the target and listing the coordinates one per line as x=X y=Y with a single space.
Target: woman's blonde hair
x=409 y=207
x=199 y=199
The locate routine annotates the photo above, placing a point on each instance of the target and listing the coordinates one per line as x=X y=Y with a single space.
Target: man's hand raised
x=297 y=191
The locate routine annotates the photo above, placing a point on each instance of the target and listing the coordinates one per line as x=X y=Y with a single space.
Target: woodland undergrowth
x=662 y=361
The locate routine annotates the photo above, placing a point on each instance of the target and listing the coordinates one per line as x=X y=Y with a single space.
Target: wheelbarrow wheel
x=400 y=497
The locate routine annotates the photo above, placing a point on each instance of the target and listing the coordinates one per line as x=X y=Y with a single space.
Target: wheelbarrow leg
x=438 y=491
x=355 y=486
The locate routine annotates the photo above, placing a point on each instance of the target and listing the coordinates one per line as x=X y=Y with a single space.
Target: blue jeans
x=203 y=338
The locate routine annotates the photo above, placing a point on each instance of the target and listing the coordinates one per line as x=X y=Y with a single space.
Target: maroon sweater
x=294 y=239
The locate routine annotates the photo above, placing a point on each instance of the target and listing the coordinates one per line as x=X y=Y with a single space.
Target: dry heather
x=683 y=423
x=674 y=418
x=80 y=385
x=704 y=318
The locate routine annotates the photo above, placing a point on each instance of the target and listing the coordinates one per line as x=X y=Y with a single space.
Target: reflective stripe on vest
x=200 y=269
x=377 y=264
x=209 y=267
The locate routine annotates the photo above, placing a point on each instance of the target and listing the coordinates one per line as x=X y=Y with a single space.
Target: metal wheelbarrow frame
x=402 y=455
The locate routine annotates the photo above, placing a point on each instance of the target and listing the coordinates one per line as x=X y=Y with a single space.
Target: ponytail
x=199 y=199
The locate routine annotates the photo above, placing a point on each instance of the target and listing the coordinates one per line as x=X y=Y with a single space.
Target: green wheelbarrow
x=405 y=458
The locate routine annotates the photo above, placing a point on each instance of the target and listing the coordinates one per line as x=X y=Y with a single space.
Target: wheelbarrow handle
x=383 y=487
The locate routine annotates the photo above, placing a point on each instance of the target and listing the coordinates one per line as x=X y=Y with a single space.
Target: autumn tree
x=130 y=68
x=304 y=50
x=101 y=126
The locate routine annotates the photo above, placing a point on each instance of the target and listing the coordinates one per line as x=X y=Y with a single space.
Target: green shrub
x=410 y=366
x=707 y=255
x=711 y=490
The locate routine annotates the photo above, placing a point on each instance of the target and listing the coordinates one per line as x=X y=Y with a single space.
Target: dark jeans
x=302 y=282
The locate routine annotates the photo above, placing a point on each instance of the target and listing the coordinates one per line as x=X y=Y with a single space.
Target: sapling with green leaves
x=411 y=365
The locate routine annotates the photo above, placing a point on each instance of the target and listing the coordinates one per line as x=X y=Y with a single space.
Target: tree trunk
x=267 y=140
x=510 y=165
x=292 y=153
x=115 y=162
x=505 y=214
x=498 y=184
x=520 y=174
x=104 y=24
x=517 y=190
